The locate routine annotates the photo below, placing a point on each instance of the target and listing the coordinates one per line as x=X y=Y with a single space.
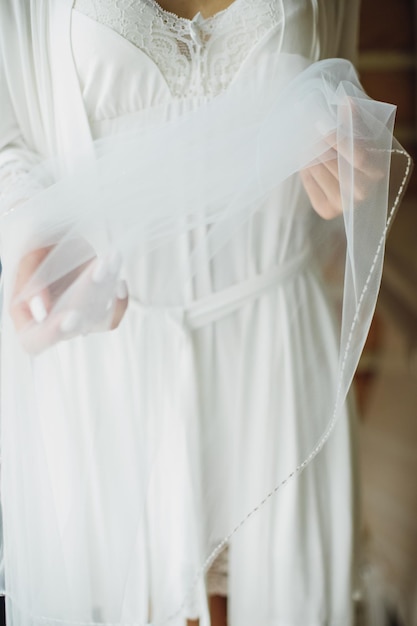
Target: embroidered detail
x=198 y=57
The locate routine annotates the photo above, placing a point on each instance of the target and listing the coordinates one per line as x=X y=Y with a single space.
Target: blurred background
x=386 y=382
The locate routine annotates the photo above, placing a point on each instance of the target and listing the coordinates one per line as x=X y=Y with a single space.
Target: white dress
x=211 y=396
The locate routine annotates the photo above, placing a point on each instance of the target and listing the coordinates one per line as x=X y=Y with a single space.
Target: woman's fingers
x=107 y=268
x=329 y=183
x=122 y=301
x=357 y=155
x=91 y=298
x=29 y=305
x=323 y=191
x=322 y=182
x=90 y=304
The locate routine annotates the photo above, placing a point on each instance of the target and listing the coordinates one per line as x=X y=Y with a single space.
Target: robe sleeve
x=16 y=158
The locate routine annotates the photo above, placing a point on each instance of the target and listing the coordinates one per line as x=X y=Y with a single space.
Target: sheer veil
x=222 y=163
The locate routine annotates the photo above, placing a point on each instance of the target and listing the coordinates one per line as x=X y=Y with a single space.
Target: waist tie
x=219 y=304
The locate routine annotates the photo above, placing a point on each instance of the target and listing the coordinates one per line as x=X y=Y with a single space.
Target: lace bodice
x=197 y=57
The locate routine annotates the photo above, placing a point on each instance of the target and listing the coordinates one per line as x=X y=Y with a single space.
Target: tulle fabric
x=114 y=516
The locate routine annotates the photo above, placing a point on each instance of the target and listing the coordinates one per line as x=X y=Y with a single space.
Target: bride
x=177 y=446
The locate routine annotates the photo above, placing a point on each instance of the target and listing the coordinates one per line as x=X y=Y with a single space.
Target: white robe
x=292 y=564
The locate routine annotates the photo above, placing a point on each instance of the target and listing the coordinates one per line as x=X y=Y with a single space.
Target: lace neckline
x=198 y=17
x=198 y=57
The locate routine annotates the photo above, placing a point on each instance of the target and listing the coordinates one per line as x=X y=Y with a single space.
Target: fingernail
x=70 y=322
x=121 y=290
x=38 y=309
x=115 y=262
x=100 y=271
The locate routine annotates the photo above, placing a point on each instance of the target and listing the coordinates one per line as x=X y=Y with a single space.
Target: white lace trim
x=198 y=57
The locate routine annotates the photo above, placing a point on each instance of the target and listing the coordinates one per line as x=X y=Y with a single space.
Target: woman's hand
x=322 y=180
x=321 y=183
x=89 y=299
